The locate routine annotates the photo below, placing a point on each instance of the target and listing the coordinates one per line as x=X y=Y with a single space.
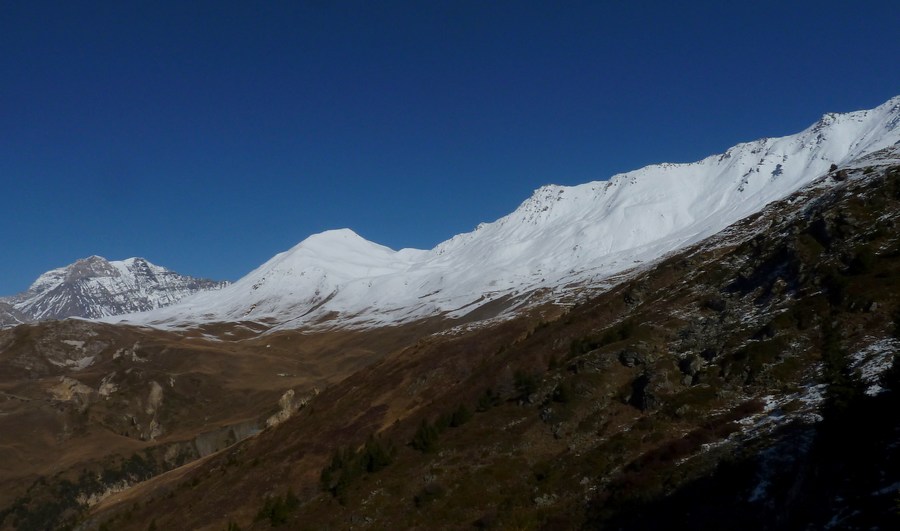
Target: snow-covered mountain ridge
x=95 y=287
x=558 y=236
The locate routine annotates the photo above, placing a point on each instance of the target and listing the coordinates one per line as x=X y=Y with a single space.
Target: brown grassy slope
x=51 y=426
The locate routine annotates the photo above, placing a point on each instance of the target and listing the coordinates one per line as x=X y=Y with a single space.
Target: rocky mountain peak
x=96 y=287
x=93 y=266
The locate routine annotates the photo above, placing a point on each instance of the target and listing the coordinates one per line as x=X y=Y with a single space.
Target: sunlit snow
x=558 y=236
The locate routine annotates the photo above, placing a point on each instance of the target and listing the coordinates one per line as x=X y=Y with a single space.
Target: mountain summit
x=96 y=287
x=560 y=236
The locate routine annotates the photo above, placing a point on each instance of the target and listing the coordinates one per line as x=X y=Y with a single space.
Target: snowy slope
x=95 y=287
x=559 y=235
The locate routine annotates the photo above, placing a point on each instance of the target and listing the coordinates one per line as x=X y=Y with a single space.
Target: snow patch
x=778 y=411
x=871 y=361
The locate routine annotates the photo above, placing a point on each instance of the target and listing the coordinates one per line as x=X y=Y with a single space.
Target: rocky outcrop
x=289 y=405
x=71 y=390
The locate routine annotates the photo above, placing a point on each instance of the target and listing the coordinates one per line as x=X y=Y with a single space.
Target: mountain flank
x=716 y=388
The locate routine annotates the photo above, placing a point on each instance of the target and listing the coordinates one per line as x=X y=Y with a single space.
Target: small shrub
x=487 y=400
x=582 y=345
x=443 y=422
x=804 y=316
x=429 y=492
x=460 y=416
x=377 y=455
x=716 y=304
x=487 y=520
x=277 y=509
x=562 y=393
x=863 y=262
x=526 y=384
x=553 y=363
x=843 y=388
x=836 y=284
x=345 y=467
x=426 y=438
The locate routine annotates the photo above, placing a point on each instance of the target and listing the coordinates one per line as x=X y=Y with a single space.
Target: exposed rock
x=154 y=399
x=71 y=390
x=155 y=430
x=691 y=365
x=649 y=389
x=289 y=405
x=631 y=358
x=89 y=500
x=107 y=386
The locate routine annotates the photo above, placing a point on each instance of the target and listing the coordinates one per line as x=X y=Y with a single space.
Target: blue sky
x=208 y=136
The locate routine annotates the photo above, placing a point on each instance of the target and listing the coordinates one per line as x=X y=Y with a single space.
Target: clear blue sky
x=208 y=136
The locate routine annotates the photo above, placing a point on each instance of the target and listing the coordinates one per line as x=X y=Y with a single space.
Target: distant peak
x=99 y=261
x=332 y=237
x=329 y=241
x=343 y=234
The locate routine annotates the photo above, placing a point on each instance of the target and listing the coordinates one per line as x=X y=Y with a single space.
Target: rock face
x=95 y=287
